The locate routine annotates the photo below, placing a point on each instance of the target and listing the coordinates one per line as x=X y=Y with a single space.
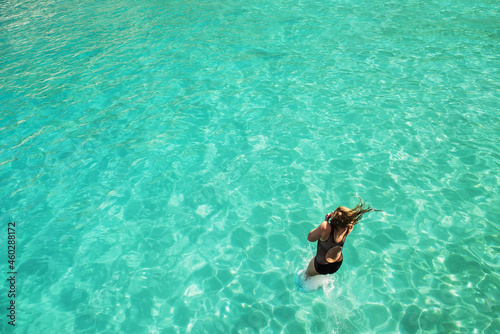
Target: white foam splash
x=312 y=283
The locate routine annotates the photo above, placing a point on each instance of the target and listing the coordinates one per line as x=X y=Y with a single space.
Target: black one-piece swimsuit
x=320 y=263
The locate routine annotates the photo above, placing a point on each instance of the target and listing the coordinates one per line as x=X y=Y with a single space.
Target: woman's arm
x=319 y=232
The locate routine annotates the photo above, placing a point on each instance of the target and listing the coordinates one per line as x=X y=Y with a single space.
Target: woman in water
x=331 y=235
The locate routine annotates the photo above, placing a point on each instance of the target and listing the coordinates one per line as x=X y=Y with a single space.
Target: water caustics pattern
x=165 y=160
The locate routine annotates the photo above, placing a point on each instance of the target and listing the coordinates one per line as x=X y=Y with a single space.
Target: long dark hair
x=348 y=218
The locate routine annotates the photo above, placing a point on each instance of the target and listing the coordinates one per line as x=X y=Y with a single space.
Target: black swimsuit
x=320 y=264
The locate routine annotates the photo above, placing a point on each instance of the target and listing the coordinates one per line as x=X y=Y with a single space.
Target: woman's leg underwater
x=311 y=271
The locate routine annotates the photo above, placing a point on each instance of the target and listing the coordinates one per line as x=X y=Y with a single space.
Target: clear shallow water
x=165 y=161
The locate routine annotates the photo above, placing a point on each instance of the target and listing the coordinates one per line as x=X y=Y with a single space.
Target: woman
x=331 y=235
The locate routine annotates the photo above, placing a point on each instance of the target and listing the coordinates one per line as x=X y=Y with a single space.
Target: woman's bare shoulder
x=325 y=228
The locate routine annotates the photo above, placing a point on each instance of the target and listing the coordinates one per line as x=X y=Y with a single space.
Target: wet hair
x=348 y=218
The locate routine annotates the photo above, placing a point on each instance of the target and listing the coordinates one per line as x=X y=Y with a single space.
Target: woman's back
x=330 y=250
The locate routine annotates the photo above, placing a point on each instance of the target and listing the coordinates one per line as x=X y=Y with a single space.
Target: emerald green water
x=165 y=160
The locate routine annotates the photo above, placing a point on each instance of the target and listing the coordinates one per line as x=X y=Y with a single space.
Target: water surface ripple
x=165 y=160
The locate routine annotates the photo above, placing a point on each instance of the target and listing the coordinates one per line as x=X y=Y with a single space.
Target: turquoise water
x=165 y=160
